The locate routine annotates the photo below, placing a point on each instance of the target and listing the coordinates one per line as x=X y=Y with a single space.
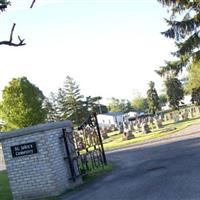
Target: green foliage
x=4 y=4
x=93 y=105
x=139 y=103
x=184 y=26
x=193 y=77
x=193 y=84
x=152 y=98
x=69 y=102
x=5 y=192
x=175 y=92
x=114 y=105
x=119 y=105
x=98 y=172
x=22 y=104
x=162 y=99
x=50 y=104
x=196 y=96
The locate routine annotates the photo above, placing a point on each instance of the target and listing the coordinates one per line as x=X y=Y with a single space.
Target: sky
x=110 y=47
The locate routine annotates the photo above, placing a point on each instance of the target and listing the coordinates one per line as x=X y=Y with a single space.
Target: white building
x=109 y=119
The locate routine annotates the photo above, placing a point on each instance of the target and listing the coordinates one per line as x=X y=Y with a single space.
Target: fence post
x=100 y=139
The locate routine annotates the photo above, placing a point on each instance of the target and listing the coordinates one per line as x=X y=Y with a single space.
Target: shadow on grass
x=5 y=192
x=95 y=175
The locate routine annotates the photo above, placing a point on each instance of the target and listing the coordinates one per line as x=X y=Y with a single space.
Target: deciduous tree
x=22 y=104
x=119 y=105
x=193 y=77
x=139 y=103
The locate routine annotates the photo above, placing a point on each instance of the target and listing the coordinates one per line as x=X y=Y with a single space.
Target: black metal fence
x=84 y=148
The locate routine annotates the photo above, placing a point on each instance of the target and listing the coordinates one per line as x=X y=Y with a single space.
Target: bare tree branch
x=10 y=43
x=3 y=6
x=11 y=33
x=33 y=2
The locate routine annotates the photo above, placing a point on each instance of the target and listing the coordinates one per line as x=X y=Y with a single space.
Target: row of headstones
x=184 y=114
x=143 y=125
x=128 y=128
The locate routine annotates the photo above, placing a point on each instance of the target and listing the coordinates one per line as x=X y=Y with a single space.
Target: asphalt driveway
x=160 y=169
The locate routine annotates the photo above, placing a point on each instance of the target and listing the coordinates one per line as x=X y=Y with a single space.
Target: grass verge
x=98 y=172
x=5 y=193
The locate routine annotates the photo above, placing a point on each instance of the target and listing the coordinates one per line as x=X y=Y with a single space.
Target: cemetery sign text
x=24 y=149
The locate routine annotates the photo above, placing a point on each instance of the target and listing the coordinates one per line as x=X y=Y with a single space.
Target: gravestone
x=176 y=117
x=104 y=133
x=184 y=115
x=166 y=117
x=35 y=161
x=191 y=113
x=121 y=127
x=158 y=123
x=145 y=128
x=127 y=134
x=171 y=116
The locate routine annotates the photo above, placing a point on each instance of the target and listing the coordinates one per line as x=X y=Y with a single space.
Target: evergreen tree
x=128 y=106
x=51 y=106
x=184 y=25
x=93 y=105
x=152 y=98
x=175 y=92
x=70 y=102
x=22 y=104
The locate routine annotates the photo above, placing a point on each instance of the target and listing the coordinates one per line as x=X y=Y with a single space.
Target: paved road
x=163 y=169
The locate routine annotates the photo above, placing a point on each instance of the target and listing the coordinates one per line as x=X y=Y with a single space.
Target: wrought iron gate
x=84 y=148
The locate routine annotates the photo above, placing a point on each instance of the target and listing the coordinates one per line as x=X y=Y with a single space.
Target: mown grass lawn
x=5 y=193
x=115 y=140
